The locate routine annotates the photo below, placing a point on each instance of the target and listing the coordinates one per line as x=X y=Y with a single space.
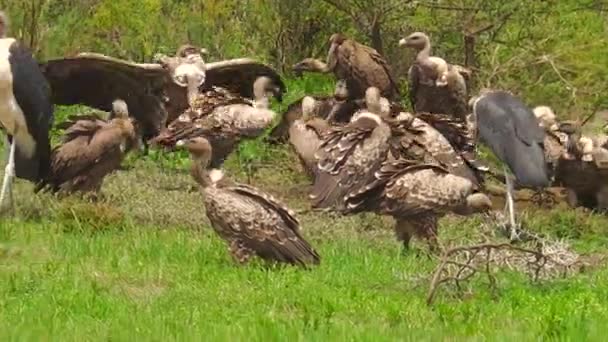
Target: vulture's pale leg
x=510 y=206
x=9 y=173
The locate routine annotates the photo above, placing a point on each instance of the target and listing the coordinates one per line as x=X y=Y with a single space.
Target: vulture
x=349 y=155
x=224 y=125
x=416 y=139
x=417 y=195
x=306 y=134
x=91 y=149
x=513 y=133
x=156 y=93
x=26 y=114
x=336 y=109
x=359 y=65
x=434 y=85
x=252 y=222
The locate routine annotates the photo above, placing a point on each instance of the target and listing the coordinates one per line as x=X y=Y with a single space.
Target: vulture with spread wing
x=156 y=93
x=359 y=65
x=349 y=155
x=252 y=222
x=91 y=149
x=225 y=122
x=416 y=195
x=424 y=92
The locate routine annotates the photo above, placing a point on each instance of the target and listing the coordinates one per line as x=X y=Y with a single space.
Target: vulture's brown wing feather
x=97 y=80
x=381 y=61
x=238 y=75
x=413 y=77
x=348 y=158
x=259 y=222
x=406 y=189
x=455 y=130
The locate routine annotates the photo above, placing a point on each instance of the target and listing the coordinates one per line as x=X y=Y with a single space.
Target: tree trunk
x=376 y=37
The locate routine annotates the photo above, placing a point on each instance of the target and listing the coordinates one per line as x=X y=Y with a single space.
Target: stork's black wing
x=512 y=132
x=33 y=96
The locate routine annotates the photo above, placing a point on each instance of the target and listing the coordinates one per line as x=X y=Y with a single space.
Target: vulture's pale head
x=3 y=24
x=546 y=117
x=119 y=109
x=337 y=39
x=309 y=105
x=264 y=87
x=416 y=40
x=309 y=64
x=199 y=148
x=479 y=203
x=187 y=50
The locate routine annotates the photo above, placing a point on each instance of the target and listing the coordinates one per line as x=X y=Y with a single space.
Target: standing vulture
x=154 y=92
x=306 y=134
x=424 y=93
x=416 y=195
x=251 y=221
x=349 y=155
x=226 y=124
x=91 y=149
x=359 y=65
x=513 y=133
x=26 y=114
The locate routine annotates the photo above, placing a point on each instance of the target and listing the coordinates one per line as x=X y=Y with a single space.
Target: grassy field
x=143 y=263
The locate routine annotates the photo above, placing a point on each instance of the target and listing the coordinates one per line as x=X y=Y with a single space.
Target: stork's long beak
x=403 y=42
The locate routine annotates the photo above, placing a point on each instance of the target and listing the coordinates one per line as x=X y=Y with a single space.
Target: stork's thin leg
x=510 y=206
x=9 y=173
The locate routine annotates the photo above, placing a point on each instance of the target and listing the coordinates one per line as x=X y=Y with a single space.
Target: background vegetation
x=143 y=262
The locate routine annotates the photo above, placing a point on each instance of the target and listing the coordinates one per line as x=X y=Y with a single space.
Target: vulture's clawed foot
x=544 y=199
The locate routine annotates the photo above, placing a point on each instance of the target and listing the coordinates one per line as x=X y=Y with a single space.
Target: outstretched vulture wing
x=95 y=80
x=235 y=75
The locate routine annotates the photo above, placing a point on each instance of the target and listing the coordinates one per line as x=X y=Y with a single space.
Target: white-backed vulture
x=349 y=155
x=91 y=149
x=150 y=89
x=306 y=134
x=416 y=195
x=226 y=124
x=252 y=222
x=424 y=94
x=359 y=65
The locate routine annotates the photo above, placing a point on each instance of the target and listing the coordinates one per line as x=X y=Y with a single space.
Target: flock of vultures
x=361 y=149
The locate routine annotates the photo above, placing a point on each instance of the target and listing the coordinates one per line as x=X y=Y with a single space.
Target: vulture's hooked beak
x=278 y=94
x=403 y=42
x=180 y=143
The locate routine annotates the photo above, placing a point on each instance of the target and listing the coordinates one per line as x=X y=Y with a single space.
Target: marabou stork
x=513 y=133
x=26 y=114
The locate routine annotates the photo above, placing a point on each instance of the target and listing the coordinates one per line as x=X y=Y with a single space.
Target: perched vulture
x=416 y=195
x=252 y=222
x=359 y=65
x=26 y=115
x=306 y=134
x=336 y=109
x=91 y=149
x=349 y=155
x=513 y=133
x=156 y=93
x=450 y=96
x=233 y=119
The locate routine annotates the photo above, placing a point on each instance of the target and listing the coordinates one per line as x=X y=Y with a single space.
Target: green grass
x=144 y=264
